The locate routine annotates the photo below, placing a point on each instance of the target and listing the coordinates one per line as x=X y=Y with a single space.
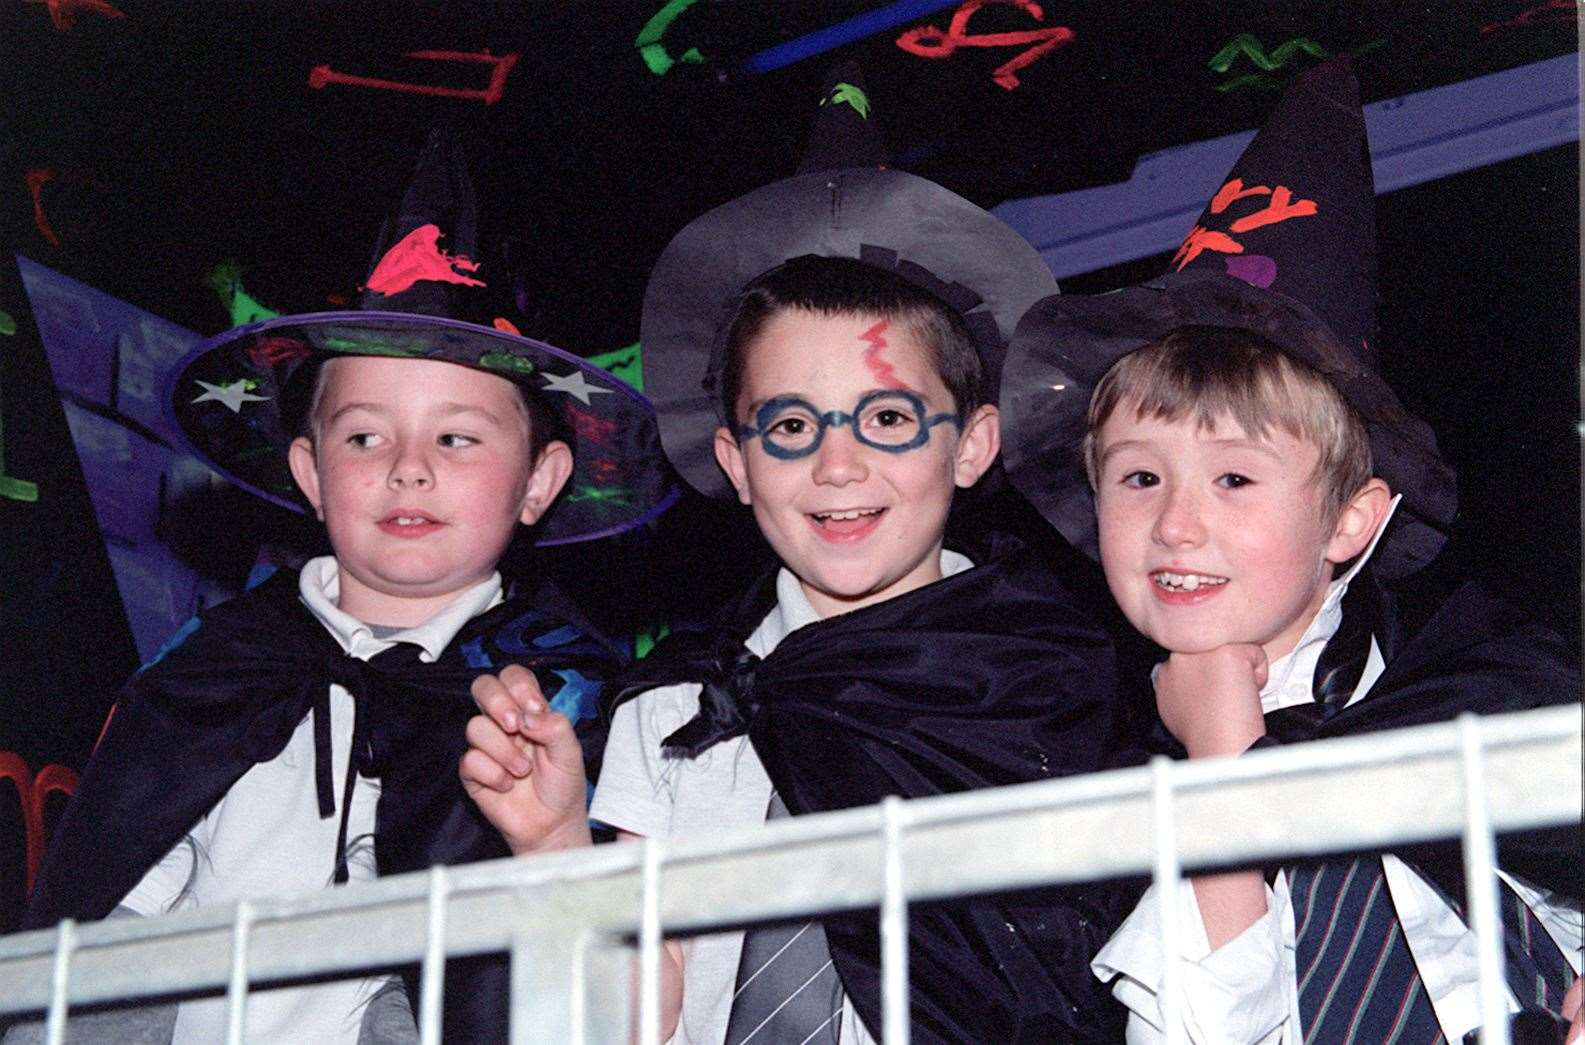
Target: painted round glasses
x=891 y=420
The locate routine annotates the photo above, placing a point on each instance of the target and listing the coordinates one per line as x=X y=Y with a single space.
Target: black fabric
x=1479 y=653
x=992 y=676
x=232 y=694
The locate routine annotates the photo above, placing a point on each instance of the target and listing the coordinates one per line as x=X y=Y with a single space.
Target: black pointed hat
x=843 y=203
x=237 y=396
x=1285 y=249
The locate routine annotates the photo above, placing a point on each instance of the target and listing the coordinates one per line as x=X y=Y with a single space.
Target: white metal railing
x=569 y=919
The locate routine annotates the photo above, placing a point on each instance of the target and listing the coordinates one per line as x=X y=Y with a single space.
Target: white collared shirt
x=265 y=837
x=1246 y=990
x=725 y=788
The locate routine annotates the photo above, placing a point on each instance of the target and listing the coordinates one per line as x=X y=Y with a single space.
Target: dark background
x=183 y=134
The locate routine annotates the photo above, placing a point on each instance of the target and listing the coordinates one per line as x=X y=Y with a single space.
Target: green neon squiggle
x=652 y=49
x=8 y=323
x=626 y=364
x=1251 y=48
x=226 y=280
x=848 y=94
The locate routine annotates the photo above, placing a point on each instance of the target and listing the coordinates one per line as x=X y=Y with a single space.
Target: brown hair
x=543 y=426
x=1215 y=372
x=845 y=286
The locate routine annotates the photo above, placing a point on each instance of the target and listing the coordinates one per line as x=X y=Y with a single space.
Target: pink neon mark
x=417 y=256
x=64 y=12
x=928 y=41
x=597 y=430
x=1553 y=12
x=32 y=792
x=37 y=179
x=884 y=375
x=501 y=67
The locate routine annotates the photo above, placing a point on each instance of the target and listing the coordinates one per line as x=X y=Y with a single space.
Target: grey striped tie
x=788 y=991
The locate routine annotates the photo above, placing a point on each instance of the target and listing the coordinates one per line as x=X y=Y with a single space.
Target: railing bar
x=1538 y=726
x=649 y=947
x=89 y=970
x=1168 y=879
x=432 y=990
x=1480 y=883
x=65 y=942
x=894 y=925
x=237 y=990
x=580 y=987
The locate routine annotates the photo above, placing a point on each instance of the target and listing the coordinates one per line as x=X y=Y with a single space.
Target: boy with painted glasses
x=308 y=732
x=802 y=365
x=1221 y=437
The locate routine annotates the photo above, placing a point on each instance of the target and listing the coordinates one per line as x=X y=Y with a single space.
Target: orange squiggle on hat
x=417 y=256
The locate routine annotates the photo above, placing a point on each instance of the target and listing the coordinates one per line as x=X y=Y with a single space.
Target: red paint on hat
x=417 y=257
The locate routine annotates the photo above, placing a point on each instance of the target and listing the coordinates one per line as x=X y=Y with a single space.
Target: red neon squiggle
x=32 y=792
x=1553 y=12
x=417 y=256
x=885 y=376
x=37 y=179
x=501 y=67
x=64 y=12
x=928 y=41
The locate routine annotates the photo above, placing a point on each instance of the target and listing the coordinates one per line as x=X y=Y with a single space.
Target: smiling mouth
x=847 y=523
x=409 y=524
x=1185 y=582
x=846 y=516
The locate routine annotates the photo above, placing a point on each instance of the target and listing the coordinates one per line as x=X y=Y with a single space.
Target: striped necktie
x=788 y=991
x=1357 y=979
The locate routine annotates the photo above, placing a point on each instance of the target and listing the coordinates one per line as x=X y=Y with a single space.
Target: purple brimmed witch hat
x=842 y=203
x=1286 y=249
x=237 y=396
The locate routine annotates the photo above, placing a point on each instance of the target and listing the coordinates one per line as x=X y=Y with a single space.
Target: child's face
x=857 y=521
x=421 y=474
x=1211 y=537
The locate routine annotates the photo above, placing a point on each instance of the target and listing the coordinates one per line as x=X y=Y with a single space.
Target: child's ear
x=1359 y=520
x=977 y=446
x=729 y=455
x=549 y=475
x=305 y=470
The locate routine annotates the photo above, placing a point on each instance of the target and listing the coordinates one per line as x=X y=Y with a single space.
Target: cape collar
x=319 y=586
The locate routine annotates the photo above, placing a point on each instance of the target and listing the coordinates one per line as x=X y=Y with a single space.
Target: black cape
x=1477 y=652
x=231 y=695
x=992 y=676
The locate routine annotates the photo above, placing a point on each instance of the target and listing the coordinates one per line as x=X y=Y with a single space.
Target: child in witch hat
x=1220 y=437
x=309 y=731
x=821 y=348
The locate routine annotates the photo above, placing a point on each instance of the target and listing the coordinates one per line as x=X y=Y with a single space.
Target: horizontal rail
x=1357 y=793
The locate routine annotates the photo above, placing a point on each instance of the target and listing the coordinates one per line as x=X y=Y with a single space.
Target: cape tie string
x=727 y=705
x=357 y=678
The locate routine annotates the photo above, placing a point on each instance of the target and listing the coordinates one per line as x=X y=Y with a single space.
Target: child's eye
x=790 y=426
x=891 y=418
x=363 y=440
x=454 y=441
x=1232 y=480
x=1141 y=479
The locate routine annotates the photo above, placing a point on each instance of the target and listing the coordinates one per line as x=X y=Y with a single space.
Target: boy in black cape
x=1221 y=439
x=819 y=348
x=308 y=731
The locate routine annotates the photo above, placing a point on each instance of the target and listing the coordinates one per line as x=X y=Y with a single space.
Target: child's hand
x=524 y=766
x=1211 y=701
x=1573 y=1013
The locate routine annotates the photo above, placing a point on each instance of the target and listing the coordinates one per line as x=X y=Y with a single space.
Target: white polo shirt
x=265 y=838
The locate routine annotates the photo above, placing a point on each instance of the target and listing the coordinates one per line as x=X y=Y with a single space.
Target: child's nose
x=411 y=471
x=839 y=460
x=1179 y=522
